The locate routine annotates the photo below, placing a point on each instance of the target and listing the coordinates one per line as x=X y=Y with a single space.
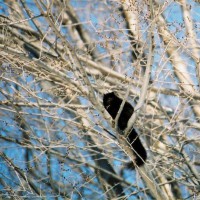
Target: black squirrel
x=112 y=103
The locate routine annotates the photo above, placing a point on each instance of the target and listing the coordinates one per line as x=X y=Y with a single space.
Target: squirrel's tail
x=138 y=149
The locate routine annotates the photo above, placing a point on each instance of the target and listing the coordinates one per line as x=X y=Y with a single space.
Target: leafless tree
x=57 y=60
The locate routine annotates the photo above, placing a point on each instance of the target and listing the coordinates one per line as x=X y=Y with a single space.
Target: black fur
x=112 y=104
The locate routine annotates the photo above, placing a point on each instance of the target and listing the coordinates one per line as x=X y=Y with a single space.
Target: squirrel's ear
x=111 y=94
